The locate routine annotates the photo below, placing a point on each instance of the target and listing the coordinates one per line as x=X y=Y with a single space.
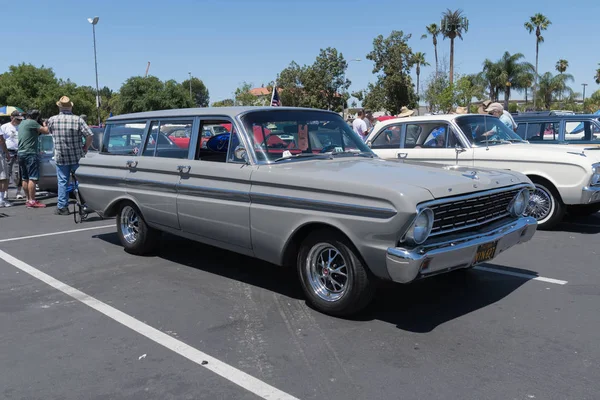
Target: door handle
x=402 y=156
x=184 y=168
x=131 y=163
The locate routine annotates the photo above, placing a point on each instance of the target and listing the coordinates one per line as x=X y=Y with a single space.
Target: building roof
x=260 y=91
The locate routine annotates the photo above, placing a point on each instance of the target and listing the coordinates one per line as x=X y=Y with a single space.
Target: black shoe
x=62 y=211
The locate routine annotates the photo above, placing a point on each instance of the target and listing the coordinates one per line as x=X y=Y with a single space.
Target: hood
x=367 y=177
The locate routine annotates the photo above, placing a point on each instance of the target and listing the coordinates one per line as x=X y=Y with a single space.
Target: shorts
x=29 y=165
x=4 y=172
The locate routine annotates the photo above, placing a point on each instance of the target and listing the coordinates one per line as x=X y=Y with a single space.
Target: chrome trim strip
x=322 y=206
x=487 y=221
x=212 y=193
x=444 y=200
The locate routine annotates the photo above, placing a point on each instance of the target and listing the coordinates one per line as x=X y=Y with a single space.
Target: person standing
x=360 y=126
x=4 y=172
x=69 y=132
x=11 y=137
x=28 y=153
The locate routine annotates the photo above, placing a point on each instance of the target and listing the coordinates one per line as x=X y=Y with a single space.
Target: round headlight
x=421 y=228
x=595 y=179
x=520 y=202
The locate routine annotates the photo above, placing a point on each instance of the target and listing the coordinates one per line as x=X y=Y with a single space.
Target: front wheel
x=545 y=206
x=135 y=235
x=333 y=278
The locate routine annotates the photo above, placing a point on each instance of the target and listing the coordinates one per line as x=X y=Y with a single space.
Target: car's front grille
x=471 y=211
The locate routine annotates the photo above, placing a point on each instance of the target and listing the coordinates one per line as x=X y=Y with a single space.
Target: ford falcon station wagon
x=297 y=187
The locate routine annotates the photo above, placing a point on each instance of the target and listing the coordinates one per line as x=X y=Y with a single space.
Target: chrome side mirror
x=240 y=153
x=369 y=143
x=458 y=149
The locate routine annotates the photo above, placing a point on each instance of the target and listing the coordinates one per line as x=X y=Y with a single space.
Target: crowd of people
x=19 y=145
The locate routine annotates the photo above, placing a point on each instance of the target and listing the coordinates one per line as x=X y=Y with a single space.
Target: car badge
x=472 y=175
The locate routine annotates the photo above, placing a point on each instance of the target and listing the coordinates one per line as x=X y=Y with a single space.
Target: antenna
x=147 y=69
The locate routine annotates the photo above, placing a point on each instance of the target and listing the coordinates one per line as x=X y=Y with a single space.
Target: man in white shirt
x=512 y=120
x=359 y=126
x=11 y=137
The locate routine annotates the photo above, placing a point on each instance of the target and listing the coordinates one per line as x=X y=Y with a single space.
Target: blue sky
x=230 y=41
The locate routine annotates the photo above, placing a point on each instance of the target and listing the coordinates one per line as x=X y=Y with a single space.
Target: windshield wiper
x=303 y=155
x=516 y=140
x=353 y=153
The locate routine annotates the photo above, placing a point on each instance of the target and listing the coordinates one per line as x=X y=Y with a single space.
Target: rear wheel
x=135 y=235
x=333 y=278
x=545 y=205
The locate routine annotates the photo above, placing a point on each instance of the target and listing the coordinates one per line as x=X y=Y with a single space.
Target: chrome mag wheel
x=327 y=271
x=541 y=204
x=130 y=224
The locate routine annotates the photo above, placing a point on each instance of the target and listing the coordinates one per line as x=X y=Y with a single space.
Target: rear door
x=153 y=176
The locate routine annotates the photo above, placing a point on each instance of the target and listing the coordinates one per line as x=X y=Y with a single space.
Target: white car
x=567 y=179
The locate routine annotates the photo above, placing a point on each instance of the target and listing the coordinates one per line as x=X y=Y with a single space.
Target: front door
x=153 y=177
x=214 y=194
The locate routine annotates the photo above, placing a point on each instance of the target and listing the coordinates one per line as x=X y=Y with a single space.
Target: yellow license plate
x=485 y=252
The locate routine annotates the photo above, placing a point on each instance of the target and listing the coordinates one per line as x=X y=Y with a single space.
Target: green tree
x=537 y=24
x=150 y=93
x=492 y=74
x=561 y=66
x=243 y=97
x=597 y=77
x=290 y=82
x=514 y=74
x=467 y=87
x=374 y=97
x=28 y=87
x=439 y=94
x=419 y=60
x=551 y=86
x=433 y=30
x=223 y=103
x=454 y=25
x=200 y=94
x=393 y=59
x=325 y=80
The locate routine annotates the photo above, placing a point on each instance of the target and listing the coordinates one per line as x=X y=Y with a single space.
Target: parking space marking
x=56 y=233
x=232 y=374
x=520 y=275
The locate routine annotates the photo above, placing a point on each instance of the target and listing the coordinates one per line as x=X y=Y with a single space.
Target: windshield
x=300 y=134
x=482 y=130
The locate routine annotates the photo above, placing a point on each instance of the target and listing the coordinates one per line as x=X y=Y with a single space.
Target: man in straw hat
x=405 y=112
x=68 y=131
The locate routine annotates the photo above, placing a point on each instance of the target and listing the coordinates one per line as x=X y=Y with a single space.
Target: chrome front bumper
x=590 y=195
x=407 y=265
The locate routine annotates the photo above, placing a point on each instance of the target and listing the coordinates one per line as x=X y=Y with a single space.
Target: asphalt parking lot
x=82 y=319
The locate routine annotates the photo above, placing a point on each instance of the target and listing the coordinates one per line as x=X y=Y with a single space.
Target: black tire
x=583 y=210
x=557 y=209
x=359 y=283
x=137 y=238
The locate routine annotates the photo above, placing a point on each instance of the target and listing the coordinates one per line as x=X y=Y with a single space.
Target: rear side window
x=586 y=131
x=543 y=131
x=169 y=139
x=124 y=138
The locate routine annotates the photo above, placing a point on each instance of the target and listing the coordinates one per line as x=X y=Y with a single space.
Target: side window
x=581 y=130
x=429 y=136
x=123 y=138
x=168 y=139
x=218 y=142
x=522 y=130
x=539 y=131
x=388 y=138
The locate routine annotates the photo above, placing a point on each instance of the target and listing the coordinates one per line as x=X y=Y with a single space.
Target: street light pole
x=94 y=21
x=190 y=74
x=584 y=85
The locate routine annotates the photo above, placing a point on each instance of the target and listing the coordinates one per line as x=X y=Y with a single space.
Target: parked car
x=325 y=205
x=573 y=129
x=565 y=178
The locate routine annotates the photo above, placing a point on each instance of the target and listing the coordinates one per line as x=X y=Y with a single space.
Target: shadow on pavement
x=417 y=307
x=587 y=225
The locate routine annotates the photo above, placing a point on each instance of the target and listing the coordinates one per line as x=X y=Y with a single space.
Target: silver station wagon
x=297 y=187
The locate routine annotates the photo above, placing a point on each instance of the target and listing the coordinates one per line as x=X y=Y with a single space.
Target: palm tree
x=552 y=85
x=537 y=23
x=419 y=59
x=561 y=66
x=597 y=77
x=492 y=75
x=454 y=24
x=433 y=30
x=513 y=74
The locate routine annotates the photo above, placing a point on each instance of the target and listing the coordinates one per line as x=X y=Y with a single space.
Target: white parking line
x=232 y=374
x=520 y=275
x=56 y=233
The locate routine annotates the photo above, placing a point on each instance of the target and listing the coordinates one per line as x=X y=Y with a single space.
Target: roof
x=230 y=112
x=260 y=91
x=533 y=116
